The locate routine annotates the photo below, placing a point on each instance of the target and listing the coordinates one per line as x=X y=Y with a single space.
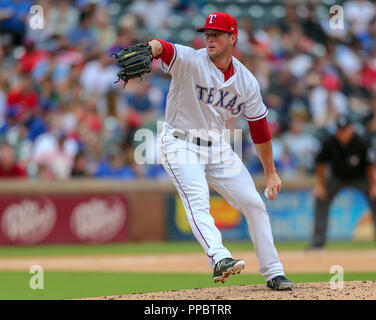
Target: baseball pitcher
x=208 y=87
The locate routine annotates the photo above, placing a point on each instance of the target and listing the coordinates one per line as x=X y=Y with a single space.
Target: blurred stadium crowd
x=62 y=116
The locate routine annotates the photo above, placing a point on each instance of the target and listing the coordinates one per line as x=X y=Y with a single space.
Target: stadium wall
x=92 y=211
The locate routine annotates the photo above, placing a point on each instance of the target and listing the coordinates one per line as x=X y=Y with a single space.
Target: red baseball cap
x=220 y=21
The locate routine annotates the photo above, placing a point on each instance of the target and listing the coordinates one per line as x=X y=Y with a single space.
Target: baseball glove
x=134 y=61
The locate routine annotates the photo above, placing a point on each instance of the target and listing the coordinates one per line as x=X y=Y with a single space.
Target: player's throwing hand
x=273 y=186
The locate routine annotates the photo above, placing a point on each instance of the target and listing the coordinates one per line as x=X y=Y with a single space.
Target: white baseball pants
x=190 y=170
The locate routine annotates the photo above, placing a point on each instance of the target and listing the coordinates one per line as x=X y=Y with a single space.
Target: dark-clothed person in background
x=79 y=167
x=344 y=160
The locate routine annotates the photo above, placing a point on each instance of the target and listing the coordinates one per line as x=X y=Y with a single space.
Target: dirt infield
x=352 y=290
x=293 y=261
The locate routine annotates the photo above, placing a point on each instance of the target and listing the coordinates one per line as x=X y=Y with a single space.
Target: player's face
x=218 y=43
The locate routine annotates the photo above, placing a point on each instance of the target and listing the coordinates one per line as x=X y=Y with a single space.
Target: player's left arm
x=262 y=138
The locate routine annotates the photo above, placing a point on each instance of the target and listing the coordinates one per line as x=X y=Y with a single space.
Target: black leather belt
x=195 y=140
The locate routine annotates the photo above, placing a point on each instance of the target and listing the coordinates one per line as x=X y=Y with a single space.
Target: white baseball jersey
x=199 y=98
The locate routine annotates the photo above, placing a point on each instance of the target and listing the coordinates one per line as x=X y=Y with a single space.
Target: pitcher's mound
x=352 y=290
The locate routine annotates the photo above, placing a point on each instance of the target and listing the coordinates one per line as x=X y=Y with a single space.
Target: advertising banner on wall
x=97 y=218
x=291 y=217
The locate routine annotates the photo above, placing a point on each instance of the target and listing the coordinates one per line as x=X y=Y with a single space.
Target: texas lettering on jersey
x=201 y=96
x=218 y=98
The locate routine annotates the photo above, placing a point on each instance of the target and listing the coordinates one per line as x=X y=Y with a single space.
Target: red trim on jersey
x=229 y=72
x=255 y=118
x=167 y=52
x=260 y=131
x=173 y=61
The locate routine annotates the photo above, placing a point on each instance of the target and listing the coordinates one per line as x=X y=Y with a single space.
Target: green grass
x=67 y=285
x=163 y=247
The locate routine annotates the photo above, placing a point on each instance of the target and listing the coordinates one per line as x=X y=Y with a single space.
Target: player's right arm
x=163 y=50
x=177 y=60
x=156 y=48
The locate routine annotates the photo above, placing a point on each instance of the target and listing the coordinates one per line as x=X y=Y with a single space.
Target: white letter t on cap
x=211 y=18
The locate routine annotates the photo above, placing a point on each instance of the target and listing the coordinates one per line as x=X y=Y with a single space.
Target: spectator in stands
x=104 y=30
x=358 y=14
x=327 y=102
x=126 y=33
x=63 y=17
x=82 y=36
x=114 y=168
x=23 y=100
x=151 y=13
x=246 y=36
x=141 y=103
x=44 y=173
x=31 y=57
x=368 y=73
x=368 y=37
x=80 y=166
x=87 y=4
x=285 y=162
x=57 y=160
x=349 y=56
x=291 y=19
x=61 y=79
x=36 y=124
x=89 y=117
x=48 y=95
x=97 y=80
x=311 y=26
x=299 y=142
x=9 y=167
x=13 y=15
x=3 y=98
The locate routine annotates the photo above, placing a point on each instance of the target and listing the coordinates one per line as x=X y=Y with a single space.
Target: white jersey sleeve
x=255 y=108
x=182 y=62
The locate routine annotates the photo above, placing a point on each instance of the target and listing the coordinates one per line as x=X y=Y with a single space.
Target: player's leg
x=238 y=189
x=321 y=214
x=188 y=176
